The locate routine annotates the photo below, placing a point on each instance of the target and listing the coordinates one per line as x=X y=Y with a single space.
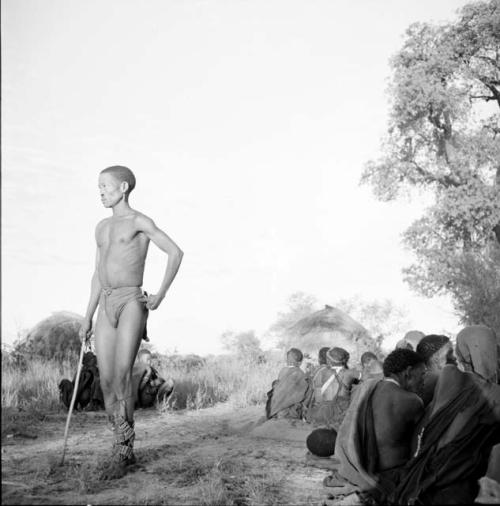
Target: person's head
x=367 y=358
x=322 y=355
x=115 y=184
x=477 y=352
x=337 y=357
x=144 y=357
x=294 y=357
x=413 y=337
x=407 y=367
x=437 y=351
x=404 y=344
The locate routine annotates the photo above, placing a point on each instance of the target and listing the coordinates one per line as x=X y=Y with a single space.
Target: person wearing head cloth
x=477 y=351
x=321 y=441
x=453 y=441
x=320 y=376
x=437 y=352
x=335 y=393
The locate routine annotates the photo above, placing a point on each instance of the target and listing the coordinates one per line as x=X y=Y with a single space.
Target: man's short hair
x=294 y=355
x=122 y=174
x=399 y=359
x=322 y=354
x=430 y=344
x=367 y=357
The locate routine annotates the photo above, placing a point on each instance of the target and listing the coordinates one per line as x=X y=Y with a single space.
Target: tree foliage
x=444 y=138
x=297 y=306
x=382 y=318
x=242 y=344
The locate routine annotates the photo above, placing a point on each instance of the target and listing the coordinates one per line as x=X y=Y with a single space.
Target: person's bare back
x=395 y=415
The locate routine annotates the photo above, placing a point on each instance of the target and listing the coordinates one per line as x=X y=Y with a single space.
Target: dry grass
x=34 y=387
x=221 y=378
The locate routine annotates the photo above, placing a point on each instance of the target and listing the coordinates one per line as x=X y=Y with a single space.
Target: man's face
x=450 y=356
x=443 y=356
x=415 y=378
x=110 y=190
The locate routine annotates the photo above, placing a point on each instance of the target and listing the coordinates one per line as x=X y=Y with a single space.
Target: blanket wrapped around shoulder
x=356 y=447
x=459 y=428
x=288 y=393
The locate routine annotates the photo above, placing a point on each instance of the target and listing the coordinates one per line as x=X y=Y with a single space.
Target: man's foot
x=334 y=480
x=116 y=466
x=113 y=470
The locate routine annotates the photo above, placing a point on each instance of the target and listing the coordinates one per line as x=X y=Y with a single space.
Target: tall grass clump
x=35 y=384
x=218 y=379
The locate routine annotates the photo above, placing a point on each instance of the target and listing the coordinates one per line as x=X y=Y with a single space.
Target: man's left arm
x=174 y=253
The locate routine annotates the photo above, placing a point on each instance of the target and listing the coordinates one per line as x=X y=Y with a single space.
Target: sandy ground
x=210 y=456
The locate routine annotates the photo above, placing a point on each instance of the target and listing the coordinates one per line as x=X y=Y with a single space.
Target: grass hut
x=56 y=337
x=331 y=327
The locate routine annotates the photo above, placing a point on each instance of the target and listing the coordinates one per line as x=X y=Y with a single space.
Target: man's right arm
x=95 y=292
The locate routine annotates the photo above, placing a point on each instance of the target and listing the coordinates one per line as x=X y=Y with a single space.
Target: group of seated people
x=420 y=427
x=148 y=387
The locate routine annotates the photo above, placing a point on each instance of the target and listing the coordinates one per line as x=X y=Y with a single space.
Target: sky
x=247 y=124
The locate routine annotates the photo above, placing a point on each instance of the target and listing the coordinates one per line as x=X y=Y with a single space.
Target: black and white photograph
x=250 y=252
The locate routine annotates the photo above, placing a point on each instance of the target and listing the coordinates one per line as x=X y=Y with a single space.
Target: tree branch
x=484 y=97
x=431 y=178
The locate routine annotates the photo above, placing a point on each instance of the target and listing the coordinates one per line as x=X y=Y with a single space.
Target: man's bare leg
x=107 y=348
x=130 y=331
x=128 y=339
x=106 y=340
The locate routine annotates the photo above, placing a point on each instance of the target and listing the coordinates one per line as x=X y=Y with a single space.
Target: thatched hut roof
x=56 y=336
x=331 y=327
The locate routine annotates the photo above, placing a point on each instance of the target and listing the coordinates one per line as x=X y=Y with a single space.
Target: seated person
x=289 y=392
x=410 y=340
x=335 y=393
x=89 y=394
x=437 y=351
x=321 y=375
x=455 y=437
x=148 y=387
x=374 y=440
x=372 y=368
x=477 y=351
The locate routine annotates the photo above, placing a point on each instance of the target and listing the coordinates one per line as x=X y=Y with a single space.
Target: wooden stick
x=73 y=398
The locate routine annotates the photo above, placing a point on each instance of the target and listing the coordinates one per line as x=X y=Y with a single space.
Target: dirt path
x=192 y=457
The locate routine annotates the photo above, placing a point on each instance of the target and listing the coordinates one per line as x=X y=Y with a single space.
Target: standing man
x=122 y=245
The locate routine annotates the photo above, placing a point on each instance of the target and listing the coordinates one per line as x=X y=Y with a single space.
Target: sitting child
x=289 y=392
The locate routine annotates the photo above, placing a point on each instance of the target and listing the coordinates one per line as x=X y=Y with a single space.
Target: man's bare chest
x=120 y=234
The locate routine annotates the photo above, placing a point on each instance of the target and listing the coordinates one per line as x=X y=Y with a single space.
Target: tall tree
x=443 y=137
